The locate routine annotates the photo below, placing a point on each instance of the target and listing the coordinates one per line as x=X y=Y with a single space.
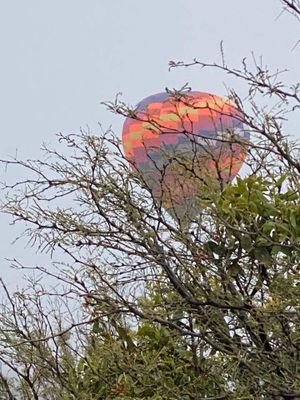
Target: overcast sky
x=61 y=58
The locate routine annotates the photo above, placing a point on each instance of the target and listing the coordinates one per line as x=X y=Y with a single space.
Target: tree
x=145 y=308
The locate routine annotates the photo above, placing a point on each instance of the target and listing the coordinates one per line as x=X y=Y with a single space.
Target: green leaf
x=263 y=255
x=147 y=331
x=270 y=210
x=293 y=221
x=268 y=227
x=214 y=247
x=246 y=242
x=262 y=241
x=253 y=207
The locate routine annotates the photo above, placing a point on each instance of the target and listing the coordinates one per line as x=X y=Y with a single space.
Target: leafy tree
x=144 y=307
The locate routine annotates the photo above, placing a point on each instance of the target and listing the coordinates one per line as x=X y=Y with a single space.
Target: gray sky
x=61 y=58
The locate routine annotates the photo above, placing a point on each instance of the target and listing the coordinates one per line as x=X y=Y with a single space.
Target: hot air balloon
x=183 y=143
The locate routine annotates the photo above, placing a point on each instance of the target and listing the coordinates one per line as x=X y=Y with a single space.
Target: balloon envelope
x=182 y=144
